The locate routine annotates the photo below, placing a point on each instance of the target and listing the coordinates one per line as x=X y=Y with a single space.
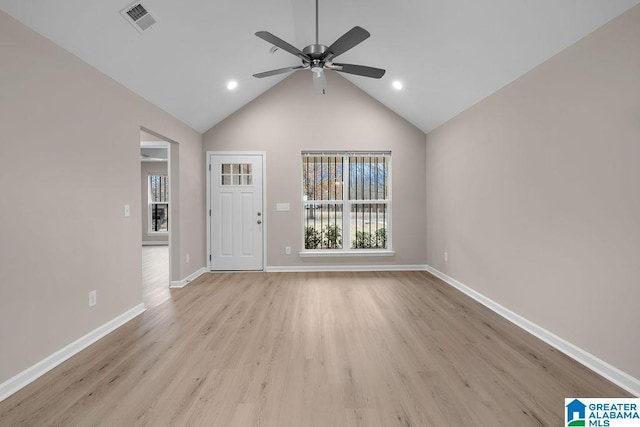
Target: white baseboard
x=317 y=268
x=184 y=282
x=31 y=374
x=155 y=243
x=613 y=374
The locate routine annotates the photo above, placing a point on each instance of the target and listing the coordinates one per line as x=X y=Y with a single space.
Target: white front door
x=237 y=219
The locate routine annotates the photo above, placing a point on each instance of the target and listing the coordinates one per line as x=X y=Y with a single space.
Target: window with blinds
x=158 y=203
x=346 y=200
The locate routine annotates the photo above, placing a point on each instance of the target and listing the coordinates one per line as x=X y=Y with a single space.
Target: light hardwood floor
x=155 y=275
x=311 y=349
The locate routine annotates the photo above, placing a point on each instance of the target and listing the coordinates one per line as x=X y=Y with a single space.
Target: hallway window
x=159 y=203
x=346 y=201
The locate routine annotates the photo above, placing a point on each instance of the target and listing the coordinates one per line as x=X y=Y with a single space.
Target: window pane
x=159 y=217
x=322 y=177
x=159 y=188
x=368 y=226
x=236 y=174
x=323 y=226
x=368 y=177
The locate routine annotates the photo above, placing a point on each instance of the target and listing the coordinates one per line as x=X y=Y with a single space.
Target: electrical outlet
x=287 y=250
x=93 y=298
x=446 y=256
x=188 y=258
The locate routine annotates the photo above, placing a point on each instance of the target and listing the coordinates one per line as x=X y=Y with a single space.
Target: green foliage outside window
x=330 y=237
x=374 y=240
x=312 y=238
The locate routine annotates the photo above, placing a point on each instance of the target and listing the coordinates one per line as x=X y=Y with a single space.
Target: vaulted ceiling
x=448 y=54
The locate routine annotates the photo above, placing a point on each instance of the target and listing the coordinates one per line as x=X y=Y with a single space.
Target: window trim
x=150 y=204
x=348 y=252
x=346 y=207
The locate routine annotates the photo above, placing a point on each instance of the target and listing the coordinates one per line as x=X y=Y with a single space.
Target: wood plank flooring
x=311 y=349
x=155 y=275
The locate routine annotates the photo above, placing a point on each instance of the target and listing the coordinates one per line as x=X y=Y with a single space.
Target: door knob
x=259 y=222
x=259 y=213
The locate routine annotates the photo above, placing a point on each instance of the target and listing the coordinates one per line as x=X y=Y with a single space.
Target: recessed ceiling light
x=232 y=85
x=397 y=85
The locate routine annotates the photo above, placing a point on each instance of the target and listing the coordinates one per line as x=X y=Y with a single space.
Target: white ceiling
x=448 y=53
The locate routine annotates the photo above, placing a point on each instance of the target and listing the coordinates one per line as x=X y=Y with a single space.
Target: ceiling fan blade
x=359 y=70
x=351 y=38
x=276 y=41
x=278 y=71
x=320 y=82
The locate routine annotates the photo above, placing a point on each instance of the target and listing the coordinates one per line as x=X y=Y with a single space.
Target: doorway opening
x=155 y=185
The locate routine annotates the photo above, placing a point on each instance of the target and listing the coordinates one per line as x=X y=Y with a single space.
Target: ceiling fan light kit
x=317 y=57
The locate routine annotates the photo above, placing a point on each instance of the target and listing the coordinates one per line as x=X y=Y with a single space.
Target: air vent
x=139 y=16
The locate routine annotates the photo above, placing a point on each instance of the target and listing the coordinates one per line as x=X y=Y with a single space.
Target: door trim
x=265 y=219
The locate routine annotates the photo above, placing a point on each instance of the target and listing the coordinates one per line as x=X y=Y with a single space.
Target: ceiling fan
x=318 y=57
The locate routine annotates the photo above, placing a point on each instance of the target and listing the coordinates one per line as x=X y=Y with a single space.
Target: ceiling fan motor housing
x=315 y=51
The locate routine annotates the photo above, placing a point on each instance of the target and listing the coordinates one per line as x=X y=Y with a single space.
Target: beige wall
x=290 y=118
x=534 y=193
x=146 y=169
x=62 y=229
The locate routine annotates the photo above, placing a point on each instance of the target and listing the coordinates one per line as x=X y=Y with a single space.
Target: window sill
x=158 y=233
x=357 y=253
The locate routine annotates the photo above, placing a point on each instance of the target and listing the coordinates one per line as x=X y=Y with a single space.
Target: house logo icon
x=576 y=413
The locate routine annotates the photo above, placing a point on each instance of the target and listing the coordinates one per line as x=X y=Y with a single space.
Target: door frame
x=263 y=156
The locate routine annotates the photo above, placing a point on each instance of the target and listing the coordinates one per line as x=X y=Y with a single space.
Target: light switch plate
x=127 y=211
x=282 y=207
x=93 y=298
